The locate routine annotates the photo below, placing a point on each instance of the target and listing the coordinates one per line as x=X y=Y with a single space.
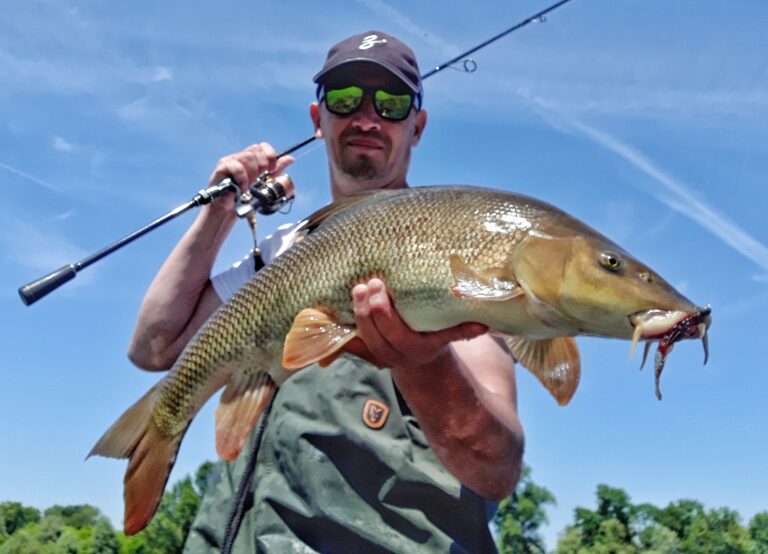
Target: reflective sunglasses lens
x=344 y=100
x=393 y=106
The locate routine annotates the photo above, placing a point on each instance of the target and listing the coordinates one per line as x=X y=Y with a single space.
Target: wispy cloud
x=384 y=10
x=62 y=145
x=162 y=73
x=65 y=215
x=675 y=194
x=26 y=246
x=28 y=177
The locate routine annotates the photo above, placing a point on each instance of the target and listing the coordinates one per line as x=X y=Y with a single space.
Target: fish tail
x=151 y=455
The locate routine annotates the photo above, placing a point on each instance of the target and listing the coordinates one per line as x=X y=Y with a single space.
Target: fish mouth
x=669 y=327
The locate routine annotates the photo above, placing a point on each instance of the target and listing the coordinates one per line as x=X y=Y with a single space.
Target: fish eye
x=610 y=261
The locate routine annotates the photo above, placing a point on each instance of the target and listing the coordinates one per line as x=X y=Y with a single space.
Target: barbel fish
x=448 y=254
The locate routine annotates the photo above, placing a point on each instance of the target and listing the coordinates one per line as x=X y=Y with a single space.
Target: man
x=354 y=458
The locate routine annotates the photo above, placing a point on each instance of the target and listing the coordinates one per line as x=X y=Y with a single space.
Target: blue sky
x=648 y=120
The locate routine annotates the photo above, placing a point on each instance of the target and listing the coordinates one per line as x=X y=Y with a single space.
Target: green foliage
x=520 y=517
x=204 y=476
x=718 y=531
x=82 y=529
x=104 y=539
x=68 y=543
x=77 y=516
x=679 y=516
x=758 y=529
x=615 y=526
x=659 y=540
x=22 y=541
x=608 y=529
x=14 y=516
x=50 y=528
x=619 y=527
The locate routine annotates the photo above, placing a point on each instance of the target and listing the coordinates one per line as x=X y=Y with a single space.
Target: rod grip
x=34 y=291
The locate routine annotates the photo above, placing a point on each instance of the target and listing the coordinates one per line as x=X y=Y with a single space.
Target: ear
x=418 y=129
x=314 y=113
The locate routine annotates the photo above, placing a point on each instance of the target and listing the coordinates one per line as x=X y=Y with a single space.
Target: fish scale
x=387 y=233
x=448 y=255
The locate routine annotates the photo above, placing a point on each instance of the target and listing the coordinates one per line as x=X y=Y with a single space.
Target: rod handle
x=35 y=290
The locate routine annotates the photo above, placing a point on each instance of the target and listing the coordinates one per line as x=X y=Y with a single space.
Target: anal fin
x=554 y=362
x=242 y=402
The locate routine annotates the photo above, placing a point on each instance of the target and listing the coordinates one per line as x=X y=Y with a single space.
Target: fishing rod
x=266 y=195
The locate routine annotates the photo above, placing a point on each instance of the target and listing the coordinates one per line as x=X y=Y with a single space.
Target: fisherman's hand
x=245 y=167
x=384 y=339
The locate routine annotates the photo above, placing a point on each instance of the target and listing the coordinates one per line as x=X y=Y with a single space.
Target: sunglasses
x=348 y=100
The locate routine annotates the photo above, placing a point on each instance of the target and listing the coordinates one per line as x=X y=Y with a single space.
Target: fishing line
x=245 y=486
x=267 y=196
x=35 y=290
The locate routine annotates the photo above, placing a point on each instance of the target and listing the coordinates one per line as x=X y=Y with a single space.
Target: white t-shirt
x=229 y=281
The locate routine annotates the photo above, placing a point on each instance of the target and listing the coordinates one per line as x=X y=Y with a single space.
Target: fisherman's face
x=365 y=150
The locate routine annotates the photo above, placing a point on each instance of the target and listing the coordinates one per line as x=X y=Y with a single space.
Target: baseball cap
x=375 y=47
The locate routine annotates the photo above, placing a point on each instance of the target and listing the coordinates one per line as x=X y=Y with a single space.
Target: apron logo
x=370 y=41
x=375 y=414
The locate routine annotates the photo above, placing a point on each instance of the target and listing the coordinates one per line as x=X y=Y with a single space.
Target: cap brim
x=393 y=70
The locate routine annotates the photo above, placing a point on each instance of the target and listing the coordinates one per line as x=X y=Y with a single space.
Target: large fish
x=448 y=255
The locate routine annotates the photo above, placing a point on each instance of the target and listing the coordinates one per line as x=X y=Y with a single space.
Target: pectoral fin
x=315 y=336
x=242 y=402
x=554 y=362
x=473 y=285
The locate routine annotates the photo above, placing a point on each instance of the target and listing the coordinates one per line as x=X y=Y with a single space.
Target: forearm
x=474 y=431
x=166 y=317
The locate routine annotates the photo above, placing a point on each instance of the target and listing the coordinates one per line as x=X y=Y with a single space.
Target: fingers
x=390 y=340
x=246 y=166
x=374 y=317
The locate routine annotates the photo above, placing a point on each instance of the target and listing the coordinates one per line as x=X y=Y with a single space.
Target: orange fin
x=554 y=362
x=242 y=402
x=151 y=455
x=314 y=336
x=471 y=285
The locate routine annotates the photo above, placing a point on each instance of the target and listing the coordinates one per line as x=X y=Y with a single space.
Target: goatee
x=360 y=167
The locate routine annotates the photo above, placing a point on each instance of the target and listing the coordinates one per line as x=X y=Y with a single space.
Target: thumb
x=464 y=331
x=282 y=163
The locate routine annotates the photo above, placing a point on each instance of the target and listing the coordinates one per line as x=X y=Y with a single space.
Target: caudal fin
x=151 y=455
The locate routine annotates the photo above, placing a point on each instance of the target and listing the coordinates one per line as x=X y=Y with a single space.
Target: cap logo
x=370 y=41
x=375 y=414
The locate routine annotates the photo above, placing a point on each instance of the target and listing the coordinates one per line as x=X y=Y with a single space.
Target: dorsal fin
x=313 y=221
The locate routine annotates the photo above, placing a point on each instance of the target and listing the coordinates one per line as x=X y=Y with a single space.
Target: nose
x=366 y=118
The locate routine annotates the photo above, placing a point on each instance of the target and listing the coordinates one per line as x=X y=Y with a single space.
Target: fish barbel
x=448 y=255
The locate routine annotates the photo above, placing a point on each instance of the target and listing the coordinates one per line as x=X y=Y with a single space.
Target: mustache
x=352 y=133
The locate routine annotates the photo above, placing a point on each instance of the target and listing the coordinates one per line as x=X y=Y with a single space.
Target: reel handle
x=34 y=291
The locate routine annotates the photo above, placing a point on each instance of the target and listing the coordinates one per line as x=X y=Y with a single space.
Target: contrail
x=683 y=199
x=28 y=177
x=385 y=10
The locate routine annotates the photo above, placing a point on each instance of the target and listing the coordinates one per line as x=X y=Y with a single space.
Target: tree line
x=615 y=526
x=618 y=526
x=83 y=529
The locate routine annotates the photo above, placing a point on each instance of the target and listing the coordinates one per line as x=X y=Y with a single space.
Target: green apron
x=344 y=467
